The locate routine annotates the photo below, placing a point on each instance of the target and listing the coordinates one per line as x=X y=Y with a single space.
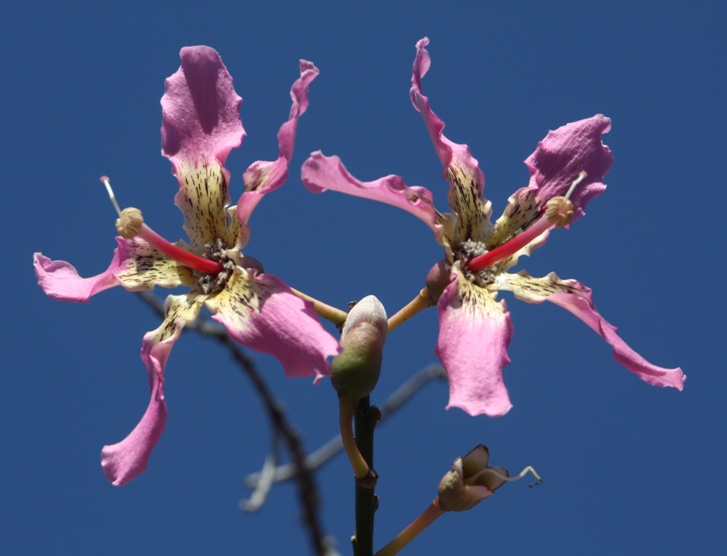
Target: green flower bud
x=356 y=370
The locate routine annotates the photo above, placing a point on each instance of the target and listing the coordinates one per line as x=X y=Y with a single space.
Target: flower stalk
x=360 y=467
x=425 y=519
x=323 y=310
x=416 y=305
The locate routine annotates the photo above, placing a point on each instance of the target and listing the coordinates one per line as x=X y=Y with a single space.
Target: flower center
x=130 y=224
x=467 y=251
x=211 y=283
x=558 y=213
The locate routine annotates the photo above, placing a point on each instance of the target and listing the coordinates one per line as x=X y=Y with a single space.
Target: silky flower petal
x=461 y=169
x=262 y=177
x=566 y=152
x=577 y=298
x=60 y=280
x=200 y=110
x=261 y=312
x=200 y=125
x=554 y=166
x=125 y=460
x=203 y=199
x=474 y=332
x=321 y=173
x=143 y=267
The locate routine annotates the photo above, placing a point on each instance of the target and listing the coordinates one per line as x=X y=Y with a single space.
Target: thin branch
x=323 y=454
x=307 y=492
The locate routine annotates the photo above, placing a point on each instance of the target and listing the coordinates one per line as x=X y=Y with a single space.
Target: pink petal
x=582 y=307
x=320 y=173
x=474 y=332
x=262 y=177
x=200 y=110
x=563 y=154
x=261 y=312
x=123 y=461
x=449 y=153
x=60 y=280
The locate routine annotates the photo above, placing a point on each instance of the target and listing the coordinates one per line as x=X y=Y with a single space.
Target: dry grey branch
x=334 y=445
x=307 y=491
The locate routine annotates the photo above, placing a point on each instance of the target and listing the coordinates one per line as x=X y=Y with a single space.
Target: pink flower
x=201 y=124
x=475 y=329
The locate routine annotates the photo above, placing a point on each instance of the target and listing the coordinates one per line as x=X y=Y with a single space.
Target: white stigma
x=578 y=180
x=107 y=183
x=524 y=472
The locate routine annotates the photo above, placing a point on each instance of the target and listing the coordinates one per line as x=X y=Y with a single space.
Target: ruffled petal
x=474 y=332
x=261 y=312
x=554 y=166
x=143 y=267
x=60 y=280
x=200 y=125
x=200 y=110
x=320 y=173
x=461 y=169
x=262 y=177
x=576 y=298
x=123 y=461
x=563 y=154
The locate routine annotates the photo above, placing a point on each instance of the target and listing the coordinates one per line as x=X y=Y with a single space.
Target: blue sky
x=627 y=468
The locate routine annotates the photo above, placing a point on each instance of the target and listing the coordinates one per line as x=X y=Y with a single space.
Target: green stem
x=419 y=303
x=365 y=420
x=345 y=417
x=323 y=310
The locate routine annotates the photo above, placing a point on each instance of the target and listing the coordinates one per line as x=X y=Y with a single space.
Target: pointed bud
x=470 y=481
x=356 y=370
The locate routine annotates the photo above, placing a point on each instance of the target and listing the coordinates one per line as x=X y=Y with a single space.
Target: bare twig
x=307 y=491
x=260 y=494
x=316 y=459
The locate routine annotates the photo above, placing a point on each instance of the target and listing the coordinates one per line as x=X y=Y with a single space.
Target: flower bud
x=437 y=280
x=356 y=370
x=470 y=481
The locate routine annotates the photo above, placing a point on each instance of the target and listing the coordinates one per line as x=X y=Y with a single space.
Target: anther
x=559 y=211
x=129 y=223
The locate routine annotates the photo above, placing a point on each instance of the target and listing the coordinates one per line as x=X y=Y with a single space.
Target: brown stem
x=412 y=530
